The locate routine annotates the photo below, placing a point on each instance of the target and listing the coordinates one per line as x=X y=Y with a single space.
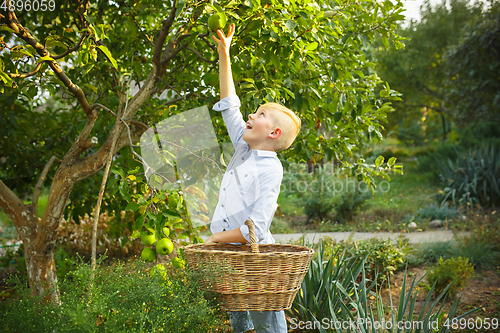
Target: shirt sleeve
x=265 y=204
x=230 y=107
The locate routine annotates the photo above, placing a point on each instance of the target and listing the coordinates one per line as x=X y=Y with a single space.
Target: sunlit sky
x=413 y=8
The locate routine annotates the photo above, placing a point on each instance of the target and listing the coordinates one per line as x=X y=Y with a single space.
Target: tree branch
x=164 y=31
x=140 y=29
x=22 y=76
x=198 y=54
x=23 y=33
x=12 y=206
x=73 y=49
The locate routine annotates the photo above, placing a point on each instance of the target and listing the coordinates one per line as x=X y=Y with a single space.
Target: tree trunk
x=443 y=121
x=41 y=269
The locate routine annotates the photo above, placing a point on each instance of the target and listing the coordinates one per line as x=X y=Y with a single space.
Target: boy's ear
x=276 y=133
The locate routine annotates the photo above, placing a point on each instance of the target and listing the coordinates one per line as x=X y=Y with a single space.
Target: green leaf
x=105 y=50
x=379 y=161
x=391 y=161
x=312 y=46
x=337 y=116
x=335 y=73
x=132 y=206
x=46 y=58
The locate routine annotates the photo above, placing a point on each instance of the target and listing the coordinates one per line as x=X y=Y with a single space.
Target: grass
x=392 y=206
x=407 y=192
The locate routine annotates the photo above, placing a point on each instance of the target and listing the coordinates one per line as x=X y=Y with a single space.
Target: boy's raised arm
x=225 y=76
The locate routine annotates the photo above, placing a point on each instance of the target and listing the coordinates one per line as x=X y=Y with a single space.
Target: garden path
x=412 y=237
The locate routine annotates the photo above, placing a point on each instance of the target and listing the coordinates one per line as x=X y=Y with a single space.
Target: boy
x=251 y=183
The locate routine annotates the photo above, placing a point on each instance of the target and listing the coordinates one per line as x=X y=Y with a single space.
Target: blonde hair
x=290 y=125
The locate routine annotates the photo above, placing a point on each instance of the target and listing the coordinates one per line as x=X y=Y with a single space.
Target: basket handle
x=253 y=238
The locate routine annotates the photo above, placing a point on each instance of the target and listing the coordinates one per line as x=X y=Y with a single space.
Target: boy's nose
x=250 y=116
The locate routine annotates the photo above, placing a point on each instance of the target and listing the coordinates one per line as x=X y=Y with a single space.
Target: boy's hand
x=224 y=42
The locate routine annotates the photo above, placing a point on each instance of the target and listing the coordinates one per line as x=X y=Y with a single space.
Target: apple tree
x=85 y=80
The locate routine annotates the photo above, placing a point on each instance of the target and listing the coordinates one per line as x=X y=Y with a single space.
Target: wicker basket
x=252 y=277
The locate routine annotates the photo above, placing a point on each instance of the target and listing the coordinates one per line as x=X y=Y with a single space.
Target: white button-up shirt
x=251 y=183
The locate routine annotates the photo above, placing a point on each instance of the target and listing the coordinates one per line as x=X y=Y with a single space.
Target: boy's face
x=260 y=126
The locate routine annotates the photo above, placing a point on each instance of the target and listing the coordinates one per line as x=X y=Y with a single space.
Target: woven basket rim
x=204 y=248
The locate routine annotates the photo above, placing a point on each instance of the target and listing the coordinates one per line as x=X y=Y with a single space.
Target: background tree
x=472 y=72
x=87 y=56
x=419 y=71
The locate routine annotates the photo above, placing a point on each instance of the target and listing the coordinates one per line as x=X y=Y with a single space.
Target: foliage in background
x=472 y=71
x=75 y=239
x=481 y=253
x=332 y=187
x=437 y=211
x=455 y=271
x=421 y=72
x=125 y=298
x=473 y=178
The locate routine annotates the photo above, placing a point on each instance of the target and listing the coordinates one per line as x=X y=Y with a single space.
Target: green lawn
x=394 y=203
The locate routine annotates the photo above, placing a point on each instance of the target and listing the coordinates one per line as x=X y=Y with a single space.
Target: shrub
x=473 y=178
x=440 y=212
x=456 y=271
x=123 y=298
x=480 y=252
x=382 y=258
x=323 y=191
x=77 y=238
x=432 y=251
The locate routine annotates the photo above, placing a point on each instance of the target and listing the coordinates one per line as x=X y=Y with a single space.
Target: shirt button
x=231 y=172
x=222 y=206
x=246 y=175
x=242 y=158
x=224 y=189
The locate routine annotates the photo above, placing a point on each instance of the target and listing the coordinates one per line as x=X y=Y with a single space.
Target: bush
x=323 y=191
x=123 y=298
x=431 y=252
x=473 y=178
x=456 y=271
x=480 y=252
x=76 y=239
x=382 y=257
x=439 y=212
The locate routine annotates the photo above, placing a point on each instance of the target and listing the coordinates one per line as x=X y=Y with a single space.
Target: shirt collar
x=265 y=153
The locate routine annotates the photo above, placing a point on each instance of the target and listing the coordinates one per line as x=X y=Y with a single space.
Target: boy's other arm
x=230 y=236
x=226 y=82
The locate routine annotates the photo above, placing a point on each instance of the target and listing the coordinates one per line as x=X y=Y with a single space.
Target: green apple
x=216 y=22
x=148 y=254
x=178 y=262
x=164 y=246
x=148 y=237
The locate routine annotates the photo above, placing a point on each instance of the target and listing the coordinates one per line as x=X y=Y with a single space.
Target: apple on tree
x=164 y=246
x=148 y=254
x=148 y=237
x=217 y=21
